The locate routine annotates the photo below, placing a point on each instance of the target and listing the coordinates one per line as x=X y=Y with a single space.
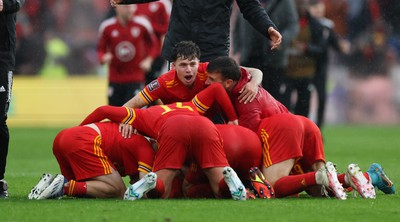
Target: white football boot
x=140 y=188
x=236 y=187
x=327 y=177
x=43 y=183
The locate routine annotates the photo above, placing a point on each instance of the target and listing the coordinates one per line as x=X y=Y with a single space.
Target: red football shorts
x=189 y=138
x=242 y=148
x=282 y=137
x=313 y=147
x=288 y=136
x=79 y=154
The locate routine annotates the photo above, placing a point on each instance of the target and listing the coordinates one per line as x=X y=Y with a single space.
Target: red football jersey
x=129 y=45
x=148 y=121
x=264 y=105
x=158 y=13
x=170 y=89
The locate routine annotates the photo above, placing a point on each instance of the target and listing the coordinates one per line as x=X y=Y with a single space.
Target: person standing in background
x=8 y=18
x=331 y=39
x=158 y=14
x=252 y=50
x=8 y=10
x=207 y=23
x=307 y=46
x=128 y=45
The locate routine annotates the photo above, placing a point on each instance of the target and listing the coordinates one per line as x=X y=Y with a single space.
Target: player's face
x=186 y=70
x=124 y=12
x=215 y=77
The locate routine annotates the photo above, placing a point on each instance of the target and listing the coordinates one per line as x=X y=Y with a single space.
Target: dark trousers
x=303 y=87
x=120 y=93
x=272 y=81
x=5 y=97
x=319 y=81
x=272 y=76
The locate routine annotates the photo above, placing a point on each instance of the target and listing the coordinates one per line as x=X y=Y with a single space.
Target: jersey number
x=178 y=105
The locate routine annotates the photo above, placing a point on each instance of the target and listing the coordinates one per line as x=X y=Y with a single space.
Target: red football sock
x=294 y=184
x=341 y=178
x=76 y=189
x=158 y=191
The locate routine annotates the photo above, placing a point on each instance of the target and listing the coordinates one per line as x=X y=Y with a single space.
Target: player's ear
x=228 y=83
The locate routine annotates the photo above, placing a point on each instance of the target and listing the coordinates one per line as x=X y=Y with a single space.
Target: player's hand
x=126 y=130
x=145 y=64
x=1 y=5
x=234 y=122
x=114 y=3
x=275 y=36
x=248 y=93
x=107 y=57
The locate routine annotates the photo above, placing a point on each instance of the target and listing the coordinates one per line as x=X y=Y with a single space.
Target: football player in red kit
x=92 y=159
x=243 y=151
x=288 y=141
x=128 y=45
x=182 y=134
x=186 y=79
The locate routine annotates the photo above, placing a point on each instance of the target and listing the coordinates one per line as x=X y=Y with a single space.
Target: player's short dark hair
x=225 y=65
x=186 y=50
x=313 y=2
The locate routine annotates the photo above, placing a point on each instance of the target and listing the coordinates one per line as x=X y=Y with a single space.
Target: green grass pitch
x=30 y=155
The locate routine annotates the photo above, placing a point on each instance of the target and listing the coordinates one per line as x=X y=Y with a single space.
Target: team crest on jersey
x=153 y=85
x=125 y=51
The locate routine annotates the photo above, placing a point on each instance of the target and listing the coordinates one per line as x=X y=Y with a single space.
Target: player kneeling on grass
x=243 y=151
x=289 y=142
x=92 y=159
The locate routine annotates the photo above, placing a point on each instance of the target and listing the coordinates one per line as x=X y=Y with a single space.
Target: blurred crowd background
x=58 y=38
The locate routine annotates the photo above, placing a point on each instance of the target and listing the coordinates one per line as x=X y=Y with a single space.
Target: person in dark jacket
x=308 y=45
x=252 y=51
x=330 y=41
x=8 y=9
x=207 y=23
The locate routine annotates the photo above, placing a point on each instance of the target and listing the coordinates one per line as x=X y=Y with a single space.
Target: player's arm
x=114 y=113
x=136 y=102
x=127 y=130
x=136 y=1
x=149 y=94
x=215 y=93
x=151 y=42
x=126 y=2
x=10 y=6
x=257 y=16
x=103 y=55
x=143 y=98
x=250 y=90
